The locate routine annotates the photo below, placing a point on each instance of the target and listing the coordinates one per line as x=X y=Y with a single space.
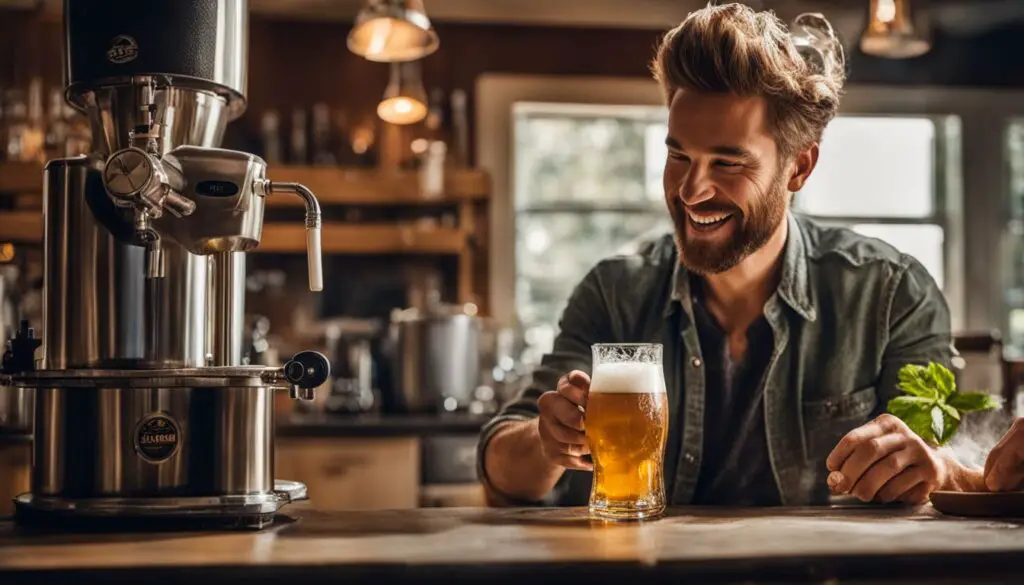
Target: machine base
x=250 y=511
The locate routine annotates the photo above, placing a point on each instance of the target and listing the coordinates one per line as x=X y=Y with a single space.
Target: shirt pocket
x=828 y=420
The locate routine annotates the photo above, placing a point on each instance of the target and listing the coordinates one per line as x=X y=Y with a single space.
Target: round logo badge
x=122 y=49
x=157 y=437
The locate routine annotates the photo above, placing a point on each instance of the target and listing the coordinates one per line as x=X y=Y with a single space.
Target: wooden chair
x=1013 y=381
x=981 y=365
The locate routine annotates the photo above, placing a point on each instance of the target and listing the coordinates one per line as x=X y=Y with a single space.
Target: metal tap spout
x=313 y=223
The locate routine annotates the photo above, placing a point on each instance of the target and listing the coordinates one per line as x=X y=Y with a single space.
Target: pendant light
x=392 y=31
x=405 y=99
x=891 y=32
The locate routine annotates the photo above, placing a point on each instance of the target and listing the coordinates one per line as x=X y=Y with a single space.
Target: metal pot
x=435 y=359
x=353 y=368
x=16 y=404
x=16 y=410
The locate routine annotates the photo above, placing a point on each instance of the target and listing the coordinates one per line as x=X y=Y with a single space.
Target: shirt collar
x=794 y=286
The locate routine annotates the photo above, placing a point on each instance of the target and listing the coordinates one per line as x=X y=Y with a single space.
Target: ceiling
x=956 y=16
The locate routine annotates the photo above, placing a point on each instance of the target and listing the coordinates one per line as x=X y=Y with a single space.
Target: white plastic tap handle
x=313 y=259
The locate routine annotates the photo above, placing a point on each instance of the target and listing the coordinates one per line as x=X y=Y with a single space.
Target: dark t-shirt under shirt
x=735 y=466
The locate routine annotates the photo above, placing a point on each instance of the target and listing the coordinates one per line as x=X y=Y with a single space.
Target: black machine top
x=195 y=43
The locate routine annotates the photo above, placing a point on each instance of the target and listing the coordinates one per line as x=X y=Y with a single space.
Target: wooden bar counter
x=825 y=545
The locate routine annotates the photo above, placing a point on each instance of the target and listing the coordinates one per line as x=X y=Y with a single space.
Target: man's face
x=725 y=186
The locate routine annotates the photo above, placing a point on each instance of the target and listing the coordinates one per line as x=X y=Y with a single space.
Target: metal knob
x=305 y=372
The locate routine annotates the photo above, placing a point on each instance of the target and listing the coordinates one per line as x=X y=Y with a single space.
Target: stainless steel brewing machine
x=143 y=407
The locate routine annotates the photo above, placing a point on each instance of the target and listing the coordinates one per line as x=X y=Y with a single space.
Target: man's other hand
x=884 y=461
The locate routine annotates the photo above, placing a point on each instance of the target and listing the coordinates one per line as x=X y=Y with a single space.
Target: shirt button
x=689 y=457
x=695 y=362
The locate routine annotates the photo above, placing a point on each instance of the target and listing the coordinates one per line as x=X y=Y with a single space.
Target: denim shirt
x=848 y=313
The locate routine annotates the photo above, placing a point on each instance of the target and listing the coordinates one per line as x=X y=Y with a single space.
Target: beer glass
x=626 y=424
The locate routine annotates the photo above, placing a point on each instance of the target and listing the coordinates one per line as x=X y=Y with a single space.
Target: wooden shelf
x=331 y=185
x=21 y=177
x=336 y=238
x=21 y=226
x=363 y=239
x=467 y=190
x=354 y=186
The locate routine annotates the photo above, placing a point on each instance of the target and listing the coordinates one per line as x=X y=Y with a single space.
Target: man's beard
x=754 y=231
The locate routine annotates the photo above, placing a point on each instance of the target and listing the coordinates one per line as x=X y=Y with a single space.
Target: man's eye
x=728 y=164
x=677 y=156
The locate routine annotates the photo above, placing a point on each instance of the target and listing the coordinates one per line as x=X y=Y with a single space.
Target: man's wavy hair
x=733 y=49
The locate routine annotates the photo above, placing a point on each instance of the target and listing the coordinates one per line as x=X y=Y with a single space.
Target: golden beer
x=626 y=427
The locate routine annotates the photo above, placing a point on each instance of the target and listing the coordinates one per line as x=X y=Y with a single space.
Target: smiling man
x=782 y=337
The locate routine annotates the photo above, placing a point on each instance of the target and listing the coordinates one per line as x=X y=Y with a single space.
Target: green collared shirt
x=848 y=313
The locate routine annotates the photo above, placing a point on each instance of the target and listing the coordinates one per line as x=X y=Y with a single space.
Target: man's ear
x=803 y=165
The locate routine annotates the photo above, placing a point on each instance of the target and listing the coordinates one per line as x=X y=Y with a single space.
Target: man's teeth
x=709 y=219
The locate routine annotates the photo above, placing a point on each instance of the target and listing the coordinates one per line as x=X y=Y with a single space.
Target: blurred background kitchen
x=467 y=190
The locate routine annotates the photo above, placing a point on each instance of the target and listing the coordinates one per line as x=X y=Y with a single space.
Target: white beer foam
x=628 y=378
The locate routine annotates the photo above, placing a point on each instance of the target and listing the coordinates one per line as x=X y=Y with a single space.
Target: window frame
x=647 y=210
x=496 y=95
x=947 y=128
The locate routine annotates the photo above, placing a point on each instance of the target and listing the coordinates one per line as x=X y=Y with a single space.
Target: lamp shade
x=405 y=99
x=393 y=31
x=892 y=33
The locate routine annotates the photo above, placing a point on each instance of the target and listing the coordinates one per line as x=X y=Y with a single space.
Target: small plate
x=980 y=504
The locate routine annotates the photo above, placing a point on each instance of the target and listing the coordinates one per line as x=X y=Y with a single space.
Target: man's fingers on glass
x=564 y=434
x=560 y=409
x=573 y=391
x=575 y=450
x=570 y=462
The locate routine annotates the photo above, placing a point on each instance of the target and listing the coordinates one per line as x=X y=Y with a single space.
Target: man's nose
x=696 y=187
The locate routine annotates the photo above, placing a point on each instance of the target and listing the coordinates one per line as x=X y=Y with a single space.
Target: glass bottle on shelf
x=299 y=138
x=15 y=125
x=78 y=139
x=322 y=153
x=56 y=125
x=33 y=139
x=270 y=131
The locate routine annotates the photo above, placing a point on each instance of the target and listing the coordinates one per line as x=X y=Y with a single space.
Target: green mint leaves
x=932 y=406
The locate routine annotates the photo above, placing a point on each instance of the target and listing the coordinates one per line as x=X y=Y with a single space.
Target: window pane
x=594 y=156
x=1013 y=267
x=921 y=241
x=554 y=251
x=873 y=167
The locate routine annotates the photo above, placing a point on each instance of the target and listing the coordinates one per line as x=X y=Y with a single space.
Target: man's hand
x=884 y=461
x=1004 y=467
x=561 y=422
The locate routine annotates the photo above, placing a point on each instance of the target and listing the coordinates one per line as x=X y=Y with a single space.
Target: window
x=587 y=184
x=883 y=176
x=1014 y=274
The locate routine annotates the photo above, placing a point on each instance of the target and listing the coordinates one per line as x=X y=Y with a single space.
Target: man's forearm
x=515 y=464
